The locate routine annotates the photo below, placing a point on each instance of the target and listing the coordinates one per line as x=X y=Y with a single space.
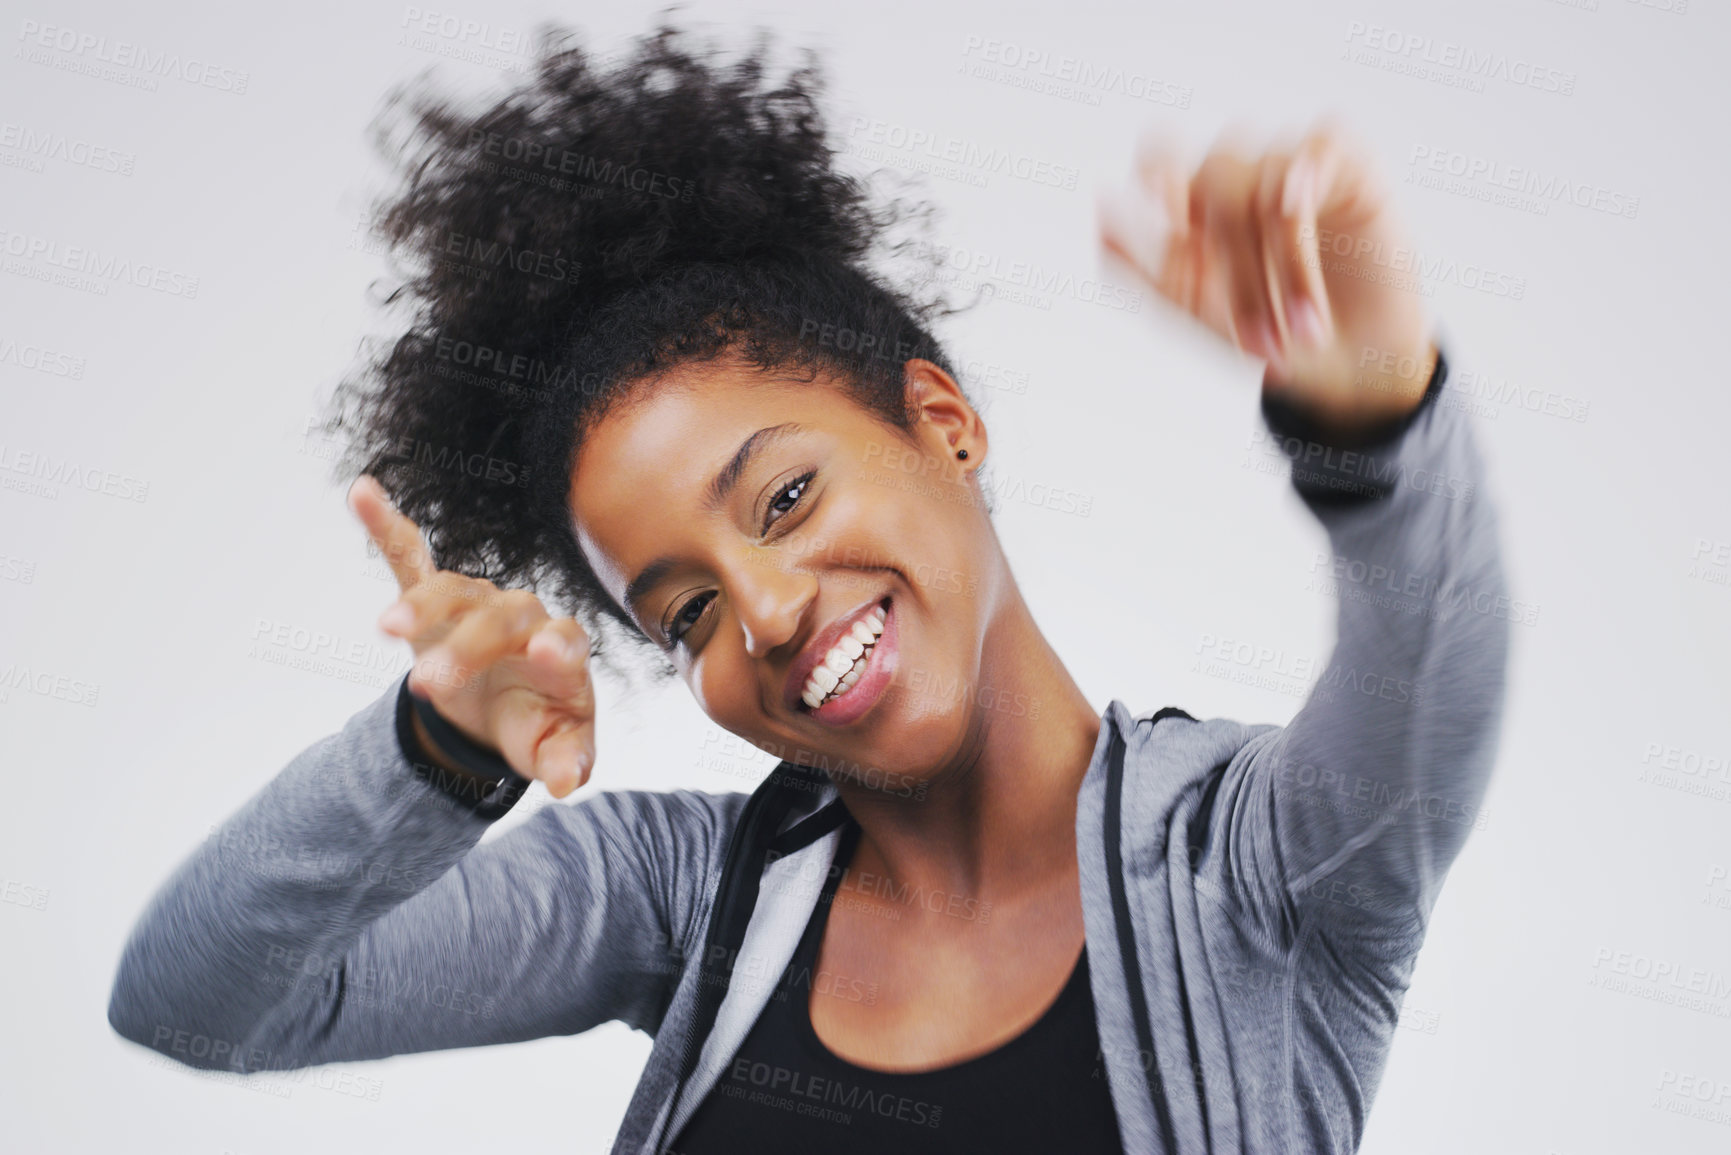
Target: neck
x=999 y=819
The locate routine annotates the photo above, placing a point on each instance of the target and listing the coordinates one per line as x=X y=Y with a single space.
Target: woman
x=648 y=371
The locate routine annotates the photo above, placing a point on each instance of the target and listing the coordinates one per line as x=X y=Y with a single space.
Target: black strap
x=489 y=787
x=809 y=830
x=1297 y=428
x=1126 y=931
x=1292 y=419
x=748 y=848
x=1127 y=937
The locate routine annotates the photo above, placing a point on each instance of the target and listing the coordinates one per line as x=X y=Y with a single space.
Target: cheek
x=897 y=466
x=924 y=523
x=725 y=686
x=707 y=686
x=903 y=498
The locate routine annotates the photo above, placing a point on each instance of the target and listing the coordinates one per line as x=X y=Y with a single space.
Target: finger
x=423 y=615
x=1233 y=281
x=1148 y=226
x=558 y=664
x=1291 y=252
x=1147 y=222
x=485 y=634
x=1210 y=296
x=1134 y=229
x=1309 y=314
x=565 y=759
x=546 y=744
x=1278 y=249
x=1167 y=169
x=1164 y=169
x=1331 y=189
x=1348 y=187
x=398 y=538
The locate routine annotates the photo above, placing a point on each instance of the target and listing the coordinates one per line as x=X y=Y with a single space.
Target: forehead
x=643 y=469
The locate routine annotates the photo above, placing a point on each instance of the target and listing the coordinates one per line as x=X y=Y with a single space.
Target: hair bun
x=595 y=177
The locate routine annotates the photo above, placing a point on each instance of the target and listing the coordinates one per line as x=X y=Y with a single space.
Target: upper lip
x=820 y=645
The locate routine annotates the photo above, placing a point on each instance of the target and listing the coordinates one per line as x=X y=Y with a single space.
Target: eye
x=787 y=498
x=689 y=615
x=785 y=501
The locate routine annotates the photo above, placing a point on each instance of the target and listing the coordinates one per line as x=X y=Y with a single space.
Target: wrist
x=1382 y=399
x=442 y=759
x=473 y=775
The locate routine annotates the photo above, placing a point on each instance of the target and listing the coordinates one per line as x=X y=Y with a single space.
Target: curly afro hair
x=590 y=229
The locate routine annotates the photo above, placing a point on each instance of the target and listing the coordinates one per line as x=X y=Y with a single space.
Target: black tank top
x=785 y=1092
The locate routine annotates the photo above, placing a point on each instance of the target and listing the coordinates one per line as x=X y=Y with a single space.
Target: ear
x=947 y=422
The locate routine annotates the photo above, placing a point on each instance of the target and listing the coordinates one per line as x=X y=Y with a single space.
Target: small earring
x=962 y=454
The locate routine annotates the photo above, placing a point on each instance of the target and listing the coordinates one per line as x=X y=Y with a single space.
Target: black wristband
x=1330 y=471
x=1287 y=419
x=489 y=787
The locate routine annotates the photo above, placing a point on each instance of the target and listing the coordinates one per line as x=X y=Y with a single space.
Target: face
x=751 y=523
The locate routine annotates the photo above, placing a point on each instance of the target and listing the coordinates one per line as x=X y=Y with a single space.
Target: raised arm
x=1353 y=812
x=1356 y=809
x=346 y=912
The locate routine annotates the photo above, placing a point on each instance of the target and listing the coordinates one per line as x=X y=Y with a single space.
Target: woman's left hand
x=1294 y=256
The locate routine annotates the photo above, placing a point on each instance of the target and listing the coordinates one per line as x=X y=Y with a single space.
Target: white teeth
x=842 y=666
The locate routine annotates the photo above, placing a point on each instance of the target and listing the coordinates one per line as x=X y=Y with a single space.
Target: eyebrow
x=720 y=488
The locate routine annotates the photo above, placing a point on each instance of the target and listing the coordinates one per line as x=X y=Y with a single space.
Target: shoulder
x=1176 y=740
x=1174 y=763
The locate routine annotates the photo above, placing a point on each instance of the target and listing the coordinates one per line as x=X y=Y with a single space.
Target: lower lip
x=873 y=680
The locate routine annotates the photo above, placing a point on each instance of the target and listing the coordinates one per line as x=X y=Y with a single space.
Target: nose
x=770 y=600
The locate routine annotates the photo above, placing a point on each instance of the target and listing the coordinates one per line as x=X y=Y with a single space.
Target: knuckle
x=423 y=600
x=478 y=590
x=440 y=584
x=523 y=605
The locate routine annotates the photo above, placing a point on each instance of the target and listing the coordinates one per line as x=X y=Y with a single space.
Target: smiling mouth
x=841 y=668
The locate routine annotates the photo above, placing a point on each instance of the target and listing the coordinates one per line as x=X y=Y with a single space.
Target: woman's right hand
x=493 y=662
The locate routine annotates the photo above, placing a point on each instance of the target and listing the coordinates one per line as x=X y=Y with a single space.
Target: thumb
x=564 y=759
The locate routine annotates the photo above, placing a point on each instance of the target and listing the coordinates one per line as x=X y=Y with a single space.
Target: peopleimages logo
x=45 y=468
x=46 y=145
x=1039 y=70
x=1024 y=277
x=968 y=154
x=40 y=359
x=1400 y=259
x=455 y=459
x=1547 y=187
x=1471 y=62
x=125 y=54
x=803 y=1091
x=95 y=263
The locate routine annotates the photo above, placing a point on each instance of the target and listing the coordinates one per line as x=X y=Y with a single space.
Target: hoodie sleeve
x=346 y=912
x=1353 y=812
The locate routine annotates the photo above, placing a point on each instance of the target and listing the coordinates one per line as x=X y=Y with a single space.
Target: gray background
x=1522 y=1031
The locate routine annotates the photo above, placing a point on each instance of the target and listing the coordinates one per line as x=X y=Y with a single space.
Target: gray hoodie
x=1254 y=895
